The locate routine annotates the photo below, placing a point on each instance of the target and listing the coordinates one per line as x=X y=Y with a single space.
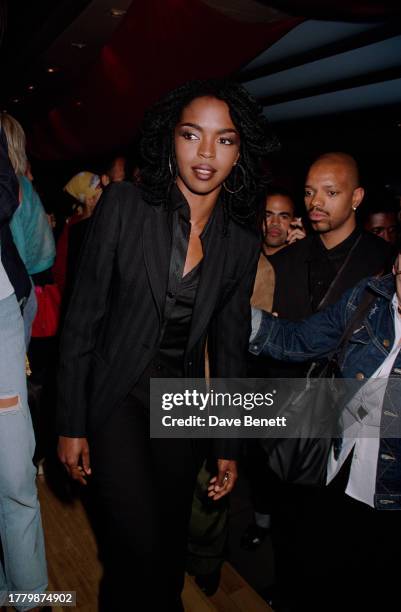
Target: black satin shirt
x=177 y=326
x=181 y=290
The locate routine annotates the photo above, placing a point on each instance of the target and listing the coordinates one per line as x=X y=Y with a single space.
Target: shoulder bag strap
x=356 y=319
x=324 y=301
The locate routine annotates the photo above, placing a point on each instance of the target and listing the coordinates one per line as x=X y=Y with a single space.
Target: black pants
x=144 y=490
x=334 y=552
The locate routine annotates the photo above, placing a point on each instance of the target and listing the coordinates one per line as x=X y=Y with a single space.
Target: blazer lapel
x=156 y=238
x=210 y=280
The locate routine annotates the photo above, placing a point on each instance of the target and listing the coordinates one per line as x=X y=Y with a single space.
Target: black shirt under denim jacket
x=369 y=345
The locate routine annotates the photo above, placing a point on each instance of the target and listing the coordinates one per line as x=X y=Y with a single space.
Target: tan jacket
x=263 y=289
x=262 y=296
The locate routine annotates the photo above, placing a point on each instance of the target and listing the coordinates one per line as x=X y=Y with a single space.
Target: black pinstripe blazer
x=113 y=325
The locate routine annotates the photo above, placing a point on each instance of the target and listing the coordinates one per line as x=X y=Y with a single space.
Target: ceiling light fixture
x=31 y=87
x=15 y=100
x=116 y=12
x=78 y=45
x=52 y=69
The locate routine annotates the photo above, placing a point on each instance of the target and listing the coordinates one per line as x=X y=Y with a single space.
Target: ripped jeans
x=23 y=566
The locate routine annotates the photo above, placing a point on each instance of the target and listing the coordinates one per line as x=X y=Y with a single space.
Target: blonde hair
x=16 y=141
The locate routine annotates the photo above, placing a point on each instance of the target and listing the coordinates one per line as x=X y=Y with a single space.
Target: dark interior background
x=328 y=74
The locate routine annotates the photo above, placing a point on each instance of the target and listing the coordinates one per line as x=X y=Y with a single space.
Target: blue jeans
x=24 y=561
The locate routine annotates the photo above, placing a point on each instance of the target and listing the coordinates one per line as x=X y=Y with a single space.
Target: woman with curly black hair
x=165 y=268
x=157 y=145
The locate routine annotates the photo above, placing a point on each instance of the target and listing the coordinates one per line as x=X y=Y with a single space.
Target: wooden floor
x=73 y=564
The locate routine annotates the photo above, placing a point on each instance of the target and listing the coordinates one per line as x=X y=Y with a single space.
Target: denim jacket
x=317 y=336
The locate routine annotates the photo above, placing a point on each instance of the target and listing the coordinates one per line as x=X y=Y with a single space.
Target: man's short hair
x=275 y=189
x=378 y=201
x=344 y=158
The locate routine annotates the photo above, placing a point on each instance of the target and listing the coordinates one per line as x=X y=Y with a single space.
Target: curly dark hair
x=257 y=140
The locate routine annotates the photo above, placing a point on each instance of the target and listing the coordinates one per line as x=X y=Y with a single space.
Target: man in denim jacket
x=365 y=473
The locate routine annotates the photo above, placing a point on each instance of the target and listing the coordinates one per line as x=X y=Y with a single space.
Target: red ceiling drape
x=160 y=44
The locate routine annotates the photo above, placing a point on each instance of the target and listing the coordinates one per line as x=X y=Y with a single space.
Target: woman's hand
x=224 y=482
x=74 y=454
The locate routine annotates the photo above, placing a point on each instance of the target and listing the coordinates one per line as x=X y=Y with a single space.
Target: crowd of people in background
x=82 y=275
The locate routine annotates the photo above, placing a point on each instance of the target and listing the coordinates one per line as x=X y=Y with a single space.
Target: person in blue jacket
x=354 y=540
x=22 y=560
x=31 y=231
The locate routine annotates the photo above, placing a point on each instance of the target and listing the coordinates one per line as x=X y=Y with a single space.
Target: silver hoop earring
x=234 y=191
x=170 y=166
